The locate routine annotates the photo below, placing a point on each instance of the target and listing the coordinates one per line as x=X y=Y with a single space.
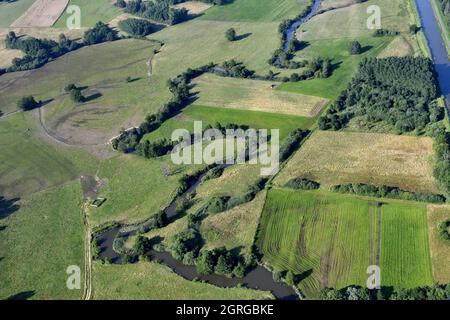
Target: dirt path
x=87 y=294
x=53 y=136
x=8 y=114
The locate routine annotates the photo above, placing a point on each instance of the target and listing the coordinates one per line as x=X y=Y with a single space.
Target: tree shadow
x=366 y=49
x=335 y=66
x=133 y=79
x=302 y=276
x=43 y=103
x=242 y=36
x=93 y=97
x=2 y=228
x=8 y=207
x=25 y=295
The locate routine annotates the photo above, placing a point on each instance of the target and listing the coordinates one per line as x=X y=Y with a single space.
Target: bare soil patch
x=194 y=7
x=42 y=13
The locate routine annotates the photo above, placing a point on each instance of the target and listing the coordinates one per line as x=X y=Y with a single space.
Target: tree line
x=387 y=192
x=40 y=51
x=435 y=292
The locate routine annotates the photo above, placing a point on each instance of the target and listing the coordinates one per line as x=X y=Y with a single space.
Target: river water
x=290 y=33
x=435 y=42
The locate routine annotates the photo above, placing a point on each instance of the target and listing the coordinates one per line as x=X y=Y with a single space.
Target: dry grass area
x=42 y=13
x=194 y=7
x=440 y=249
x=399 y=47
x=254 y=95
x=235 y=227
x=7 y=55
x=348 y=157
x=332 y=4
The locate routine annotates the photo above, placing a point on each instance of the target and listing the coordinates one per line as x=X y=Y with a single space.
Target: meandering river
x=437 y=46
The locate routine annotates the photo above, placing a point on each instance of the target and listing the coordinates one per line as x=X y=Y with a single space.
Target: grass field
x=9 y=12
x=254 y=95
x=344 y=65
x=29 y=164
x=103 y=70
x=405 y=255
x=91 y=12
x=257 y=10
x=333 y=158
x=439 y=248
x=211 y=115
x=328 y=35
x=330 y=240
x=136 y=188
x=235 y=228
x=152 y=281
x=39 y=241
x=399 y=47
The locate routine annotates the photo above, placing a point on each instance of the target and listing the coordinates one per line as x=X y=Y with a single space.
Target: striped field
x=329 y=240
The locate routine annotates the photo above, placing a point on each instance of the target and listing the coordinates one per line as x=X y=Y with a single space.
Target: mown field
x=152 y=281
x=38 y=241
x=329 y=240
x=257 y=10
x=254 y=95
x=439 y=248
x=9 y=12
x=211 y=115
x=333 y=158
x=405 y=254
x=91 y=12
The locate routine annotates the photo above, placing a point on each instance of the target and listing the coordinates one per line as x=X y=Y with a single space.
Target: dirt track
x=42 y=13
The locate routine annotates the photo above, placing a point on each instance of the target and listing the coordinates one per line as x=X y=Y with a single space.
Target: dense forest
x=399 y=92
x=39 y=51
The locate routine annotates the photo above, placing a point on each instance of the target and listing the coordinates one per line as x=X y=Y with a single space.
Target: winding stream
x=290 y=33
x=259 y=278
x=436 y=44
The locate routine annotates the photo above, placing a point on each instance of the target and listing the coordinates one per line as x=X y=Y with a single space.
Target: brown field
x=332 y=4
x=333 y=158
x=254 y=95
x=399 y=47
x=194 y=7
x=42 y=13
x=440 y=249
x=6 y=57
x=235 y=227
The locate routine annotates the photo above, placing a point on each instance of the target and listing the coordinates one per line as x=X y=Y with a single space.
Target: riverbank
x=443 y=26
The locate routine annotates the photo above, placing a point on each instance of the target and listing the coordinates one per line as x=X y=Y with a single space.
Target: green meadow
x=91 y=12
x=9 y=12
x=39 y=242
